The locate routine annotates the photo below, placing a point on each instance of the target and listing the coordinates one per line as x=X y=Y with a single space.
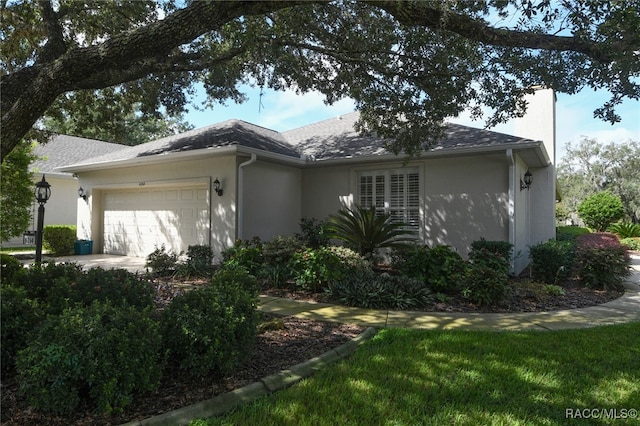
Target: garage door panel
x=137 y=221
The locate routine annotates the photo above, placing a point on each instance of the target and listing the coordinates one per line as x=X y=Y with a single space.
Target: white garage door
x=136 y=221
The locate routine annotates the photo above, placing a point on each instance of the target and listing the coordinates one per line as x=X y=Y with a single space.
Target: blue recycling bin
x=83 y=247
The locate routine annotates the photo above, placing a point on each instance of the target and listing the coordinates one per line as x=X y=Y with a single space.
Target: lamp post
x=43 y=192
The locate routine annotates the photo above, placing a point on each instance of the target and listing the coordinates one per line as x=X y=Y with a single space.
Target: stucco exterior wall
x=188 y=172
x=325 y=190
x=272 y=200
x=465 y=199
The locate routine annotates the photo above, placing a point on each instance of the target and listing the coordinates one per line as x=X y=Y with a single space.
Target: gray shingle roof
x=227 y=133
x=62 y=150
x=336 y=138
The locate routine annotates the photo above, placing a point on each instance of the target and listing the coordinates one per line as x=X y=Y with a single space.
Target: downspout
x=240 y=216
x=512 y=210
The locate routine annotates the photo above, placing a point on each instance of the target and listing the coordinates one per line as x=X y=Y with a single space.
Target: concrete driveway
x=105 y=261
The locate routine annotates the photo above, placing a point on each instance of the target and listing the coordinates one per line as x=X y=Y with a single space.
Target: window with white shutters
x=395 y=192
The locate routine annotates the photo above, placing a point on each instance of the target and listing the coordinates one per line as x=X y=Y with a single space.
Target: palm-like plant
x=625 y=229
x=365 y=231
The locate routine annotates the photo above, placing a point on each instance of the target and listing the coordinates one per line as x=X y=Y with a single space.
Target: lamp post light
x=43 y=192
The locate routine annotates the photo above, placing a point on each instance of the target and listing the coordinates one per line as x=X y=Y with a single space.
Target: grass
x=9 y=250
x=409 y=377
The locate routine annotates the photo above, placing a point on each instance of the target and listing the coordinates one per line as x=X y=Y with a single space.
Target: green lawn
x=412 y=377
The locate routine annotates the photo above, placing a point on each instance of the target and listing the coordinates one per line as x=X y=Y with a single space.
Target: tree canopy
x=591 y=167
x=407 y=64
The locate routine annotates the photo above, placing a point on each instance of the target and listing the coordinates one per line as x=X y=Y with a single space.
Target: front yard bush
x=101 y=355
x=384 y=291
x=553 y=261
x=162 y=262
x=625 y=229
x=602 y=262
x=600 y=210
x=9 y=266
x=631 y=243
x=485 y=284
x=313 y=233
x=19 y=317
x=314 y=268
x=199 y=262
x=441 y=268
x=277 y=254
x=59 y=239
x=570 y=233
x=209 y=329
x=119 y=286
x=246 y=254
x=497 y=248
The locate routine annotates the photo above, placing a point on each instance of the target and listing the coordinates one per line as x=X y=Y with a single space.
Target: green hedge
x=59 y=239
x=101 y=355
x=552 y=262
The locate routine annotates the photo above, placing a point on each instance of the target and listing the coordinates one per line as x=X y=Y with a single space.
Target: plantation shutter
x=395 y=192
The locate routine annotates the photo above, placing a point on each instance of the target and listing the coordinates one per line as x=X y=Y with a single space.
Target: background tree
x=408 y=65
x=591 y=166
x=600 y=210
x=16 y=191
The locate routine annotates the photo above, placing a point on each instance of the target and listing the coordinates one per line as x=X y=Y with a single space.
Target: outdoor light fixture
x=216 y=187
x=82 y=193
x=43 y=192
x=526 y=182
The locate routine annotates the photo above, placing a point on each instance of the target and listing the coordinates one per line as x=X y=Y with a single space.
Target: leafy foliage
x=101 y=354
x=569 y=233
x=625 y=229
x=199 y=262
x=245 y=254
x=313 y=233
x=553 y=261
x=380 y=292
x=632 y=243
x=602 y=262
x=407 y=65
x=592 y=166
x=601 y=210
x=500 y=249
x=209 y=329
x=441 y=268
x=485 y=284
x=162 y=262
x=59 y=239
x=366 y=231
x=16 y=191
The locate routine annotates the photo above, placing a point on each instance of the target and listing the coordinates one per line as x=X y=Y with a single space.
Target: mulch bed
x=276 y=349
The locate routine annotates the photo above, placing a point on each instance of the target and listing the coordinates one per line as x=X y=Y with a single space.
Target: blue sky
x=287 y=110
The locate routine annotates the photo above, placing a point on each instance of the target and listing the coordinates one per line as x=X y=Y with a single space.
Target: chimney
x=539 y=122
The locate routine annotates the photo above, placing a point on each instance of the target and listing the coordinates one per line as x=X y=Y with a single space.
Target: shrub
x=602 y=262
x=49 y=283
x=59 y=239
x=101 y=354
x=366 y=231
x=209 y=329
x=380 y=292
x=625 y=229
x=9 y=266
x=553 y=261
x=199 y=262
x=351 y=261
x=600 y=210
x=490 y=259
x=119 y=286
x=498 y=248
x=445 y=269
x=313 y=233
x=411 y=261
x=19 y=317
x=569 y=233
x=486 y=284
x=245 y=254
x=161 y=262
x=313 y=268
x=276 y=255
x=631 y=243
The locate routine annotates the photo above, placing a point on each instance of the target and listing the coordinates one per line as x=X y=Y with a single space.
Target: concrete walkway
x=621 y=310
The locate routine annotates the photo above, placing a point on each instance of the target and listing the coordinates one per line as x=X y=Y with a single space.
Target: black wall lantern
x=525 y=183
x=43 y=192
x=82 y=193
x=216 y=187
